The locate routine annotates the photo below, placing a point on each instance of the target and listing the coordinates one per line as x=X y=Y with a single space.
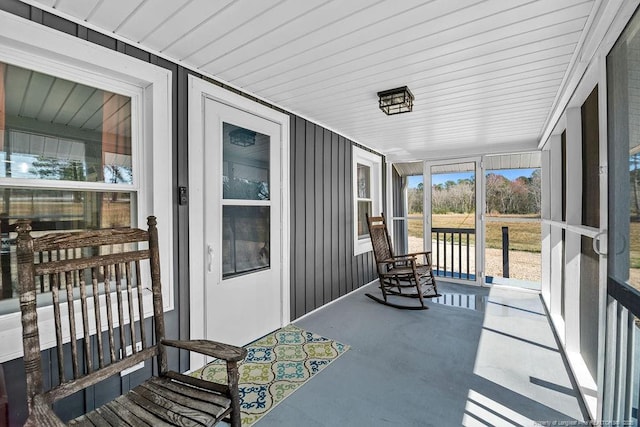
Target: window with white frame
x=367 y=195
x=83 y=145
x=65 y=159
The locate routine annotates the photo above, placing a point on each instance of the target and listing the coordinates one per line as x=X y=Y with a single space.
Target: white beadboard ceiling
x=485 y=74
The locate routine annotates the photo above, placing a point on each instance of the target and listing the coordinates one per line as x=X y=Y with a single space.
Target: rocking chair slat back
x=380 y=239
x=79 y=270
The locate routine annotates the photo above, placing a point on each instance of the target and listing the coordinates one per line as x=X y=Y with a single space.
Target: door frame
x=479 y=246
x=198 y=91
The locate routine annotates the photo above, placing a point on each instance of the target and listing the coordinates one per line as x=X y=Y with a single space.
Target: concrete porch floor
x=495 y=364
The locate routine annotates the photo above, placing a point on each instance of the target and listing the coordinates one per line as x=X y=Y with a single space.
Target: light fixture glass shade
x=242 y=137
x=396 y=101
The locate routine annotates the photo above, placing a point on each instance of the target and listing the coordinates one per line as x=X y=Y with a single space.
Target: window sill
x=362 y=246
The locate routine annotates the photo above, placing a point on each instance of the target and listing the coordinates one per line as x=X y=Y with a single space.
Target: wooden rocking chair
x=96 y=282
x=400 y=275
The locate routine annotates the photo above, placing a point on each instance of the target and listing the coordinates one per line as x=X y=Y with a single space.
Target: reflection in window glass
x=245 y=239
x=60 y=210
x=55 y=129
x=364 y=208
x=364 y=182
x=245 y=163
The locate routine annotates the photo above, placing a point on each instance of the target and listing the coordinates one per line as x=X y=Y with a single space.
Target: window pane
x=400 y=230
x=55 y=129
x=364 y=208
x=245 y=239
x=55 y=210
x=364 y=182
x=245 y=163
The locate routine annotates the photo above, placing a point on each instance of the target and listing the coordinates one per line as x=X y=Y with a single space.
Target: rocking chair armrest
x=398 y=258
x=219 y=350
x=41 y=415
x=416 y=254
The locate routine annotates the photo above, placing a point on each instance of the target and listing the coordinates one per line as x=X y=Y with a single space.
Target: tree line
x=520 y=197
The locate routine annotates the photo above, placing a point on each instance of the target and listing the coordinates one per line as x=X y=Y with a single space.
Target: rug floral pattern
x=275 y=366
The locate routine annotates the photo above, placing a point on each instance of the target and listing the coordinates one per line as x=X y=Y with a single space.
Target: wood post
x=505 y=252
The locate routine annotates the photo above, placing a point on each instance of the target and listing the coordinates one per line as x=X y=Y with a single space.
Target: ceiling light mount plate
x=396 y=101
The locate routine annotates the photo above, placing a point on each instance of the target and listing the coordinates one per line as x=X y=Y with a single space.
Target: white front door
x=236 y=223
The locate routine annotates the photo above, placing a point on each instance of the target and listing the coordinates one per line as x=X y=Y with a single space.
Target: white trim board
x=198 y=90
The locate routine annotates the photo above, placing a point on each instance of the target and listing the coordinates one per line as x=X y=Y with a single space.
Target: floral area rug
x=276 y=365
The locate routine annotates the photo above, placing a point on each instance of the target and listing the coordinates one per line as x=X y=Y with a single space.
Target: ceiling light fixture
x=396 y=101
x=242 y=137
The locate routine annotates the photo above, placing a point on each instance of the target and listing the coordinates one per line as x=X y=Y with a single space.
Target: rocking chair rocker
x=400 y=275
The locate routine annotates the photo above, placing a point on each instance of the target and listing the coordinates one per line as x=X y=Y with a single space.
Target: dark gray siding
x=323 y=267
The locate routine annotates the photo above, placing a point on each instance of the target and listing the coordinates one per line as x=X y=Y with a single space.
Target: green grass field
x=634 y=244
x=523 y=236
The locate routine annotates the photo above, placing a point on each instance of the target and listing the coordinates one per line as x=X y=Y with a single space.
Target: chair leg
x=398 y=285
x=416 y=277
x=233 y=377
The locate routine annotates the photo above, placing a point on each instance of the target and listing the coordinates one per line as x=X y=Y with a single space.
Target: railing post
x=460 y=254
x=505 y=252
x=437 y=252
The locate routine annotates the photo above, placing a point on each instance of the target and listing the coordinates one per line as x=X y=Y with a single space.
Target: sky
x=510 y=174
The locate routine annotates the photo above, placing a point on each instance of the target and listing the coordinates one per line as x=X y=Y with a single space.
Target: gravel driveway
x=522 y=265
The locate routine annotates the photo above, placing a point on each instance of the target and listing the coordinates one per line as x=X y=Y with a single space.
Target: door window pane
x=245 y=239
x=55 y=129
x=245 y=163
